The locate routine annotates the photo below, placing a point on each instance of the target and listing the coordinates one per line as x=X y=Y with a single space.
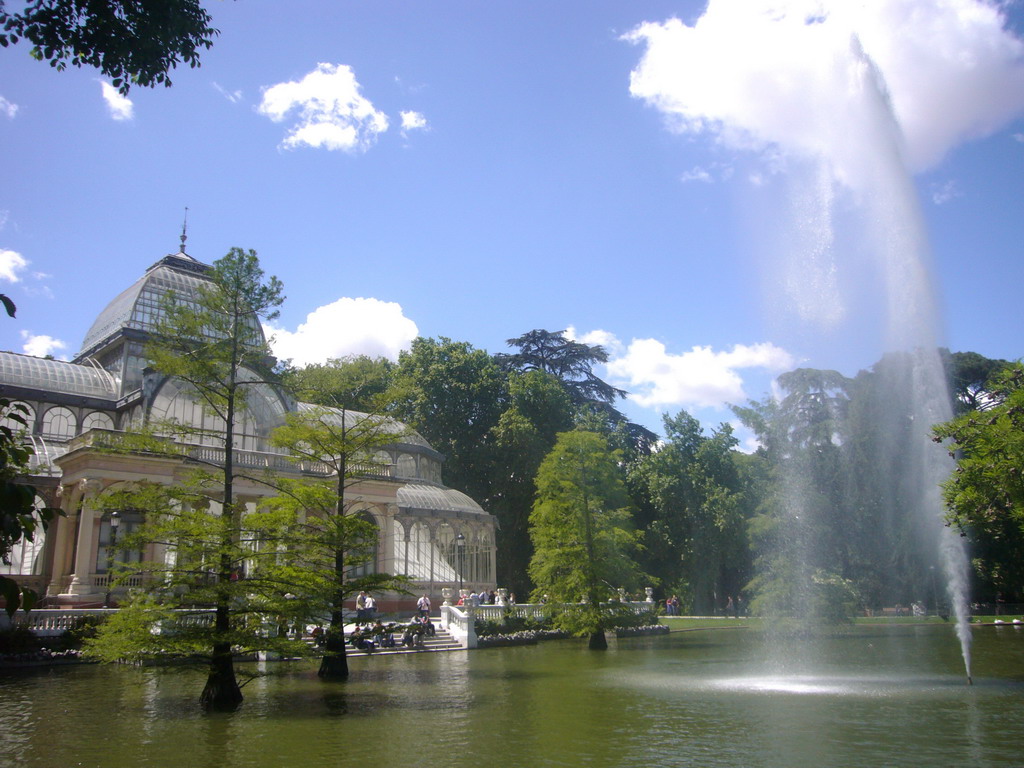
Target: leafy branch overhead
x=134 y=42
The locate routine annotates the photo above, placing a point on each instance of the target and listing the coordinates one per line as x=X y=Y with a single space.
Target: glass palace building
x=437 y=536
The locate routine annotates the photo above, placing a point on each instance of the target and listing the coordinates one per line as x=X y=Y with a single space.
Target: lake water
x=874 y=696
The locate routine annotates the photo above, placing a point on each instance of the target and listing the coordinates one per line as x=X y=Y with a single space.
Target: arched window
x=368 y=555
x=406 y=465
x=26 y=557
x=59 y=424
x=484 y=548
x=97 y=420
x=25 y=412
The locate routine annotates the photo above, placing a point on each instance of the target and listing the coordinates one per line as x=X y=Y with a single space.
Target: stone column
x=85 y=553
x=64 y=530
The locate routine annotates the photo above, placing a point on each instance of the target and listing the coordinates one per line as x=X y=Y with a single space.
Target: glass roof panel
x=405 y=435
x=432 y=497
x=56 y=376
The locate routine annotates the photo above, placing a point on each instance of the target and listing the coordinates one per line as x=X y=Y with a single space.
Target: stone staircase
x=441 y=641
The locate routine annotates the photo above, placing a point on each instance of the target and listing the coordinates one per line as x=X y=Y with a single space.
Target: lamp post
x=460 y=547
x=115 y=522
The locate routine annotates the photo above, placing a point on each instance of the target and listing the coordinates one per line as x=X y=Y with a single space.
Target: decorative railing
x=243 y=459
x=105 y=581
x=50 y=622
x=460 y=623
x=538 y=610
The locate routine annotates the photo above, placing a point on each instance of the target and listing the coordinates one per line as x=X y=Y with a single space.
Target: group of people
x=483 y=597
x=378 y=635
x=735 y=608
x=366 y=607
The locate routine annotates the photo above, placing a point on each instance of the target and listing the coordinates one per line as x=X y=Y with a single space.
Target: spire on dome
x=184 y=231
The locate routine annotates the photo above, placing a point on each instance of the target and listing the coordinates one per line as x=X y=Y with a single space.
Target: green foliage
x=134 y=42
x=823 y=597
x=969 y=375
x=328 y=539
x=358 y=382
x=213 y=342
x=18 y=640
x=173 y=617
x=571 y=363
x=690 y=500
x=985 y=494
x=509 y=625
x=20 y=518
x=538 y=409
x=584 y=544
x=453 y=394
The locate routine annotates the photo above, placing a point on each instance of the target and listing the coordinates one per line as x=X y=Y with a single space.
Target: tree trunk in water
x=221 y=693
x=334 y=664
x=598 y=642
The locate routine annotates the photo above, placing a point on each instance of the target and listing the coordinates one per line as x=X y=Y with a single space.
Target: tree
x=572 y=362
x=134 y=42
x=197 y=544
x=581 y=530
x=335 y=541
x=569 y=361
x=801 y=532
x=212 y=341
x=985 y=494
x=19 y=516
x=453 y=395
x=969 y=374
x=538 y=409
x=358 y=382
x=694 y=529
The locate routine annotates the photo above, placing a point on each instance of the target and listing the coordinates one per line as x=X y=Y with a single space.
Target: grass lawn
x=679 y=623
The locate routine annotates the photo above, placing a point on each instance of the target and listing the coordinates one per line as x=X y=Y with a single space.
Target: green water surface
x=872 y=696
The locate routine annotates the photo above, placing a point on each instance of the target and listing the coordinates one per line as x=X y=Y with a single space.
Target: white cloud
x=696 y=174
x=806 y=76
x=331 y=112
x=233 y=96
x=412 y=121
x=700 y=378
x=943 y=193
x=120 y=107
x=606 y=339
x=8 y=108
x=12 y=264
x=41 y=346
x=346 y=327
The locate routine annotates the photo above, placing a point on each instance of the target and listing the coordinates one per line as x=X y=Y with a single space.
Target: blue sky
x=708 y=189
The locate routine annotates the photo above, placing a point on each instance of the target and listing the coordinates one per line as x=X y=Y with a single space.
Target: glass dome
x=141 y=306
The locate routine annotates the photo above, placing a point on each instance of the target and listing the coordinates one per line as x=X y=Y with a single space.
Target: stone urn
x=446 y=595
x=649 y=591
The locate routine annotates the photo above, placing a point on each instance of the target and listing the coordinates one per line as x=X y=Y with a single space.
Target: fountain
x=828 y=94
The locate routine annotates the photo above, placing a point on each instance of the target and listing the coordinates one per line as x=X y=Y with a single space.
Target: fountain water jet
x=875 y=173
